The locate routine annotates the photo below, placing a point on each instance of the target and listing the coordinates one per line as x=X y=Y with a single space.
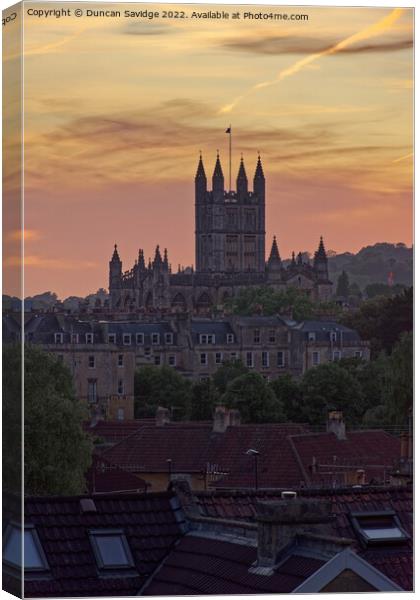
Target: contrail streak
x=371 y=31
x=397 y=160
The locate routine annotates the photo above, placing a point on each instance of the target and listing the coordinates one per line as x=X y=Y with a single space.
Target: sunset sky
x=117 y=110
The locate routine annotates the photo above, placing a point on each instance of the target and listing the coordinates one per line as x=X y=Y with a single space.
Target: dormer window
x=34 y=557
x=230 y=338
x=58 y=338
x=169 y=338
x=139 y=339
x=89 y=338
x=74 y=338
x=207 y=338
x=375 y=528
x=111 y=549
x=127 y=339
x=333 y=336
x=155 y=339
x=112 y=338
x=312 y=336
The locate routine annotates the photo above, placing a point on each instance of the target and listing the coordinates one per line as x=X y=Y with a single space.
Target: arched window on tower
x=179 y=302
x=204 y=302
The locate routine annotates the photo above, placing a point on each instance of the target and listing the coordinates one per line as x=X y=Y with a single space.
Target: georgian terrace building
x=103 y=355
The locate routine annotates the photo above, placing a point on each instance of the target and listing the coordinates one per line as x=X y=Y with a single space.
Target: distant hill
x=373 y=264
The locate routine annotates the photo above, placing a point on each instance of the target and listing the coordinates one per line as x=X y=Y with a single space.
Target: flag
x=228 y=130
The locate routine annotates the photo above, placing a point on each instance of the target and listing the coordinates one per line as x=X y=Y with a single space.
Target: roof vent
x=288 y=495
x=87 y=505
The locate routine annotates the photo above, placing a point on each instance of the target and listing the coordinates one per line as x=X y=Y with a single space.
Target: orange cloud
x=47 y=263
x=29 y=235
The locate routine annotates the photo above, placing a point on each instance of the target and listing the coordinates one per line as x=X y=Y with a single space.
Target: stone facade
x=103 y=355
x=229 y=255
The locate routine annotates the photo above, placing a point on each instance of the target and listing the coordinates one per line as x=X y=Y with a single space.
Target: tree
x=265 y=300
x=343 y=285
x=382 y=289
x=161 y=386
x=330 y=387
x=382 y=320
x=399 y=382
x=204 y=397
x=57 y=451
x=229 y=370
x=255 y=400
x=371 y=376
x=354 y=290
x=288 y=393
x=12 y=418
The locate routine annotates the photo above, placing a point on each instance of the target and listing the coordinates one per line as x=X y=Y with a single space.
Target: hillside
x=373 y=264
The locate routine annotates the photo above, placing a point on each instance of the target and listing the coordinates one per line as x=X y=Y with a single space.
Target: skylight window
x=380 y=527
x=34 y=557
x=111 y=549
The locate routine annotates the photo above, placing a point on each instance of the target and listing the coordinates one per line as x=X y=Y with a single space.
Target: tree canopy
x=382 y=320
x=254 y=398
x=57 y=451
x=343 y=285
x=330 y=387
x=161 y=386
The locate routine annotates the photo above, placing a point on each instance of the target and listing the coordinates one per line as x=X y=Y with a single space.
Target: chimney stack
x=404 y=447
x=336 y=424
x=280 y=522
x=224 y=418
x=162 y=416
x=234 y=417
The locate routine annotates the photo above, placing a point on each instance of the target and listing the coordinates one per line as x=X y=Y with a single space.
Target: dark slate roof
x=286 y=453
x=40 y=329
x=199 y=565
x=193 y=447
x=371 y=450
x=148 y=450
x=11 y=328
x=323 y=329
x=112 y=432
x=277 y=465
x=219 y=329
x=148 y=521
x=262 y=321
x=396 y=562
x=103 y=477
x=147 y=329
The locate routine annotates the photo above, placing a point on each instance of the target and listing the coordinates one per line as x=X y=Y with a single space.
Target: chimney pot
x=87 y=505
x=288 y=495
x=221 y=419
x=336 y=424
x=234 y=417
x=162 y=416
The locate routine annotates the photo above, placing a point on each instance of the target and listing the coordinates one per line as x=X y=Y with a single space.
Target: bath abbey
x=229 y=255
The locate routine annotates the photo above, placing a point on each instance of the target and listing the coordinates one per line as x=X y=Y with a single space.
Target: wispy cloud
x=35 y=261
x=29 y=235
x=368 y=32
x=405 y=157
x=141 y=29
x=280 y=45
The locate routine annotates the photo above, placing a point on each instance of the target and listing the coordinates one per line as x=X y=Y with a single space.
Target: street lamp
x=255 y=454
x=169 y=462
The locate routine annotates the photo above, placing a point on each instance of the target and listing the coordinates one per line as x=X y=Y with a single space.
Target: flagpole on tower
x=229 y=131
x=230 y=157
